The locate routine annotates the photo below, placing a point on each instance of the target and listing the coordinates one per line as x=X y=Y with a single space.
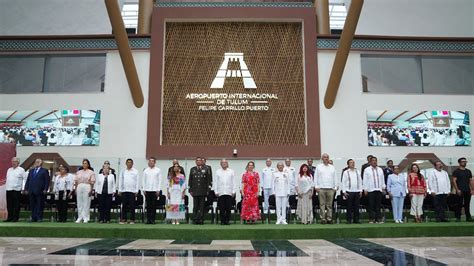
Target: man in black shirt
x=461 y=179
x=365 y=165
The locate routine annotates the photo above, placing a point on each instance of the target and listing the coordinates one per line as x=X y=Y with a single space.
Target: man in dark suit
x=36 y=186
x=204 y=163
x=200 y=183
x=312 y=168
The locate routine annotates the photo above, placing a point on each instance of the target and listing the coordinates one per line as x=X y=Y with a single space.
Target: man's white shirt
x=267 y=177
x=129 y=181
x=351 y=181
x=281 y=183
x=374 y=179
x=224 y=182
x=292 y=178
x=325 y=177
x=15 y=177
x=152 y=179
x=439 y=182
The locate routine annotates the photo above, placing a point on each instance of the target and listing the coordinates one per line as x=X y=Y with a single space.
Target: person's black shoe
x=445 y=221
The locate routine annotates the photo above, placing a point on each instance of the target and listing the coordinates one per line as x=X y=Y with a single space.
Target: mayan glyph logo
x=224 y=72
x=233 y=66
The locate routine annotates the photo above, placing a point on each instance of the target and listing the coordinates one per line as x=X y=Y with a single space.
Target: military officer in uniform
x=200 y=183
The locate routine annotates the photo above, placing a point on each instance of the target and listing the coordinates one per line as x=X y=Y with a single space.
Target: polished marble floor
x=383 y=251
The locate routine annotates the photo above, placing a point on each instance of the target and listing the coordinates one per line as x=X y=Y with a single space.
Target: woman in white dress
x=304 y=188
x=175 y=209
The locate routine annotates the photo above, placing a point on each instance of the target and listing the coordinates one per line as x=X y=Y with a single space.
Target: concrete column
x=322 y=16
x=145 y=9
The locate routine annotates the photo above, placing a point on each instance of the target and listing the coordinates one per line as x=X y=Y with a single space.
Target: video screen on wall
x=50 y=127
x=418 y=128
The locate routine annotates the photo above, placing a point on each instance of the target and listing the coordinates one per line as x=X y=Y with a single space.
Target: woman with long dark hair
x=417 y=191
x=304 y=188
x=175 y=209
x=84 y=184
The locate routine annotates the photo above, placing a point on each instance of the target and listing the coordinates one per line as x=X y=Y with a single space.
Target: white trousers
x=417 y=205
x=83 y=201
x=281 y=203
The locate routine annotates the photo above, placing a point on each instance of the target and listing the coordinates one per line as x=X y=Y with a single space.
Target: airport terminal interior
x=246 y=132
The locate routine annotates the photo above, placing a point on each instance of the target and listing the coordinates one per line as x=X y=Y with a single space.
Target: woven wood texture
x=194 y=53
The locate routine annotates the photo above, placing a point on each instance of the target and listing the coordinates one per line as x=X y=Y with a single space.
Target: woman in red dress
x=250 y=186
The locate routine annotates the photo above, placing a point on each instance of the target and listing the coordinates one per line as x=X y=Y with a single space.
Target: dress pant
x=13 y=205
x=61 y=205
x=417 y=205
x=326 y=198
x=198 y=209
x=266 y=195
x=375 y=202
x=281 y=202
x=37 y=206
x=150 y=198
x=83 y=202
x=128 y=205
x=225 y=205
x=353 y=206
x=105 y=204
x=440 y=206
x=397 y=208
x=464 y=200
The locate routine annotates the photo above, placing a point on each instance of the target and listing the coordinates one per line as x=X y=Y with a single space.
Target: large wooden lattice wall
x=273 y=53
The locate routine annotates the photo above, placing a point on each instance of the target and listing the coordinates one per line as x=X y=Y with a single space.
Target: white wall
x=344 y=131
x=443 y=18
x=343 y=135
x=123 y=126
x=53 y=17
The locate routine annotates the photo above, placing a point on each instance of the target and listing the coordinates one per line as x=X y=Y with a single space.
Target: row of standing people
x=281 y=182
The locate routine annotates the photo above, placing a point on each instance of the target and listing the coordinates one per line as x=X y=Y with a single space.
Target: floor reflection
x=262 y=248
x=383 y=254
